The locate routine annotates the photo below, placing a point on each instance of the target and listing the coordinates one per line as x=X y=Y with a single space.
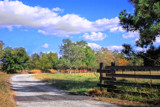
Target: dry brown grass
x=6 y=94
x=52 y=70
x=1 y=73
x=24 y=73
x=35 y=71
x=94 y=91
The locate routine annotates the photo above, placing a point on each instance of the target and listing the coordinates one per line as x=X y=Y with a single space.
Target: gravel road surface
x=34 y=93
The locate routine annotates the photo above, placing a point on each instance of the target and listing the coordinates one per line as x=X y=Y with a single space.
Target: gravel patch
x=34 y=93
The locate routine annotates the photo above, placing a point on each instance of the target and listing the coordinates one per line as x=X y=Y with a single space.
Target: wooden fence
x=108 y=76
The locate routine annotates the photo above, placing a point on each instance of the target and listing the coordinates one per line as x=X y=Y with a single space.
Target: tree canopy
x=44 y=61
x=1 y=49
x=76 y=54
x=145 y=20
x=15 y=59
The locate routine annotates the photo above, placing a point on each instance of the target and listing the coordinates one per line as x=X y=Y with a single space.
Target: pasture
x=86 y=83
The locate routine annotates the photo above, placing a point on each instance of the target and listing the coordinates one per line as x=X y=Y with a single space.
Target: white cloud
x=130 y=35
x=8 y=19
x=117 y=29
x=103 y=24
x=45 y=45
x=48 y=22
x=57 y=9
x=94 y=36
x=115 y=47
x=94 y=45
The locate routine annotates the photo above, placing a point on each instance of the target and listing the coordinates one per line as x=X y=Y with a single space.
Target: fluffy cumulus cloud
x=130 y=35
x=94 y=45
x=45 y=45
x=112 y=48
x=94 y=36
x=48 y=22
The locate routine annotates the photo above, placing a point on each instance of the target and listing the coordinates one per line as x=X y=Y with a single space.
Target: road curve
x=34 y=93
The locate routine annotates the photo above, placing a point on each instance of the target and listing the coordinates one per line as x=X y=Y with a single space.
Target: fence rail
x=108 y=76
x=134 y=68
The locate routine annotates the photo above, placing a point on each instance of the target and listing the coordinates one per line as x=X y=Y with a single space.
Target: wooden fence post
x=101 y=75
x=112 y=87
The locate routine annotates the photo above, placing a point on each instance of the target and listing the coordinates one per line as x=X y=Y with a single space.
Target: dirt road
x=34 y=93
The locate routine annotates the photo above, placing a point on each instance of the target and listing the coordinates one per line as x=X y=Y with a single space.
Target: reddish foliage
x=122 y=62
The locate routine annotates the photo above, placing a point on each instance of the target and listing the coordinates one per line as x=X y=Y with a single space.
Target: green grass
x=6 y=95
x=69 y=82
x=82 y=82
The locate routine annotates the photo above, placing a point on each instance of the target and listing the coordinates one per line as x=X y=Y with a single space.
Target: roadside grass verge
x=6 y=95
x=86 y=83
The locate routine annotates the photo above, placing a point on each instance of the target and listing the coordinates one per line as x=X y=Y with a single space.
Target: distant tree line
x=74 y=55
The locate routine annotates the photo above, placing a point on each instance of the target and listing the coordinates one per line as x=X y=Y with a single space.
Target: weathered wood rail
x=108 y=76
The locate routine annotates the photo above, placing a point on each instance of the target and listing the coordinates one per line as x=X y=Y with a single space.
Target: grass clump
x=6 y=95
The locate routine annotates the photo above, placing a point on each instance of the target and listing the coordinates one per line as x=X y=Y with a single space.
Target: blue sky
x=41 y=25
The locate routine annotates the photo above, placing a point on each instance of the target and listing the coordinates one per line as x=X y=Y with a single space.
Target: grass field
x=82 y=82
x=6 y=95
x=79 y=82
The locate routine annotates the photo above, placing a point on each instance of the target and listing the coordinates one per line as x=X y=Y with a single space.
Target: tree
x=44 y=61
x=105 y=56
x=1 y=52
x=1 y=49
x=151 y=57
x=90 y=58
x=53 y=57
x=73 y=53
x=35 y=61
x=61 y=64
x=15 y=59
x=145 y=20
x=120 y=59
